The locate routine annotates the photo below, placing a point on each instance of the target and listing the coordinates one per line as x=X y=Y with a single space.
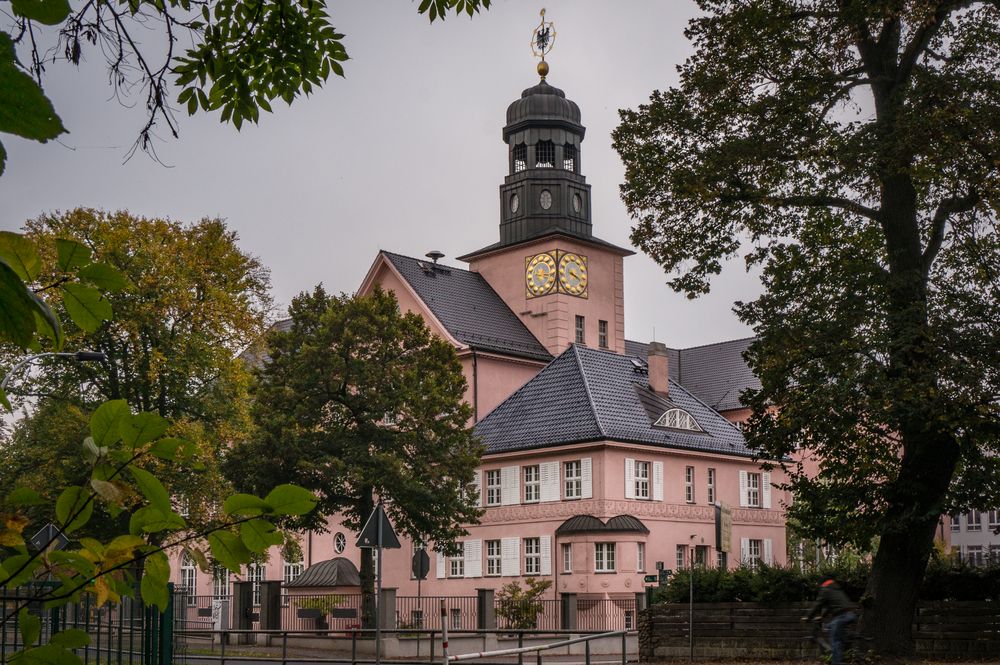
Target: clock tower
x=564 y=283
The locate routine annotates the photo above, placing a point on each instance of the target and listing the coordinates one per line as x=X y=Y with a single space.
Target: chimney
x=659 y=368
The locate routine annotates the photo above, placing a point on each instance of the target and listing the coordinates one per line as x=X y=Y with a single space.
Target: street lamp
x=78 y=356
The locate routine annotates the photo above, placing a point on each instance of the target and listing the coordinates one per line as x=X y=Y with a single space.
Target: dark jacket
x=831 y=601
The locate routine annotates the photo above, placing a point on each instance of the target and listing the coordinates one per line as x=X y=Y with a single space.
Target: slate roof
x=468 y=307
x=592 y=395
x=716 y=373
x=329 y=573
x=591 y=524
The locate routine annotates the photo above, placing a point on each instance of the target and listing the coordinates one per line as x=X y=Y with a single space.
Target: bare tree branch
x=945 y=209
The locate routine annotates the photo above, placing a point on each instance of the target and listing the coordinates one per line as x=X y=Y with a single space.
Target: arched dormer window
x=520 y=158
x=678 y=419
x=545 y=155
x=569 y=158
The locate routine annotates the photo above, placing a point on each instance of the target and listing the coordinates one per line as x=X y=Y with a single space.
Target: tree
x=240 y=56
x=359 y=401
x=189 y=301
x=854 y=146
x=519 y=608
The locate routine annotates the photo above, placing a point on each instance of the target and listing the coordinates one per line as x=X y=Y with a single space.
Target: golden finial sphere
x=543 y=69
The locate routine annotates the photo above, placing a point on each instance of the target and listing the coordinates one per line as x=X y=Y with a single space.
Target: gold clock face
x=540 y=274
x=573 y=274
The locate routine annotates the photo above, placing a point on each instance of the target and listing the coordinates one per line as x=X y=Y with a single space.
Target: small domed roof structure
x=543 y=105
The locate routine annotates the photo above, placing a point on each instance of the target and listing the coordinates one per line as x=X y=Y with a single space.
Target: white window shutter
x=744 y=548
x=510 y=485
x=545 y=549
x=586 y=480
x=768 y=554
x=474 y=558
x=657 y=481
x=743 y=489
x=549 y=479
x=510 y=557
x=441 y=570
x=477 y=480
x=629 y=478
x=765 y=489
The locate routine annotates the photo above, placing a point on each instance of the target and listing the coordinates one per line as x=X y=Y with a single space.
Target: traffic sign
x=650 y=579
x=377 y=531
x=421 y=564
x=49 y=533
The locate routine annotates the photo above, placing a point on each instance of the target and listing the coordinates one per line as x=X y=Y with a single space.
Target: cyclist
x=832 y=602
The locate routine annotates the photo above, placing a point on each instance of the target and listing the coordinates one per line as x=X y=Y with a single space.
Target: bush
x=518 y=608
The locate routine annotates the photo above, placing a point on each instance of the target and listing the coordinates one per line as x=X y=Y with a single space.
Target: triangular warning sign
x=378 y=532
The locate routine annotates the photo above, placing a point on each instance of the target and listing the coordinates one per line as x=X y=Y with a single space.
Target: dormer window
x=678 y=419
x=569 y=157
x=545 y=155
x=520 y=158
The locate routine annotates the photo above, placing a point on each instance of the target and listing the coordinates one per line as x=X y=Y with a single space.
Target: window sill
x=605 y=572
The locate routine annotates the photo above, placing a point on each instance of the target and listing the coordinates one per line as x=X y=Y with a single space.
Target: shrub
x=519 y=608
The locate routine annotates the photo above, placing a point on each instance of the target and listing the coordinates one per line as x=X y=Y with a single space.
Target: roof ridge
x=419 y=260
x=698 y=346
x=586 y=387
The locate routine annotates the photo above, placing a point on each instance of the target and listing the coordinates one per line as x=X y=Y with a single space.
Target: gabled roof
x=468 y=307
x=548 y=233
x=591 y=395
x=716 y=373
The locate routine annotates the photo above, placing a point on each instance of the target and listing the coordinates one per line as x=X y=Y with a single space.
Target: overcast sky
x=403 y=154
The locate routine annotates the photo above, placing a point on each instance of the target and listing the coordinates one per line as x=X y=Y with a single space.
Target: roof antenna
x=434 y=255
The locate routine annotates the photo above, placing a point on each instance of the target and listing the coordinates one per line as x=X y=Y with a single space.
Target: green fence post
x=167 y=629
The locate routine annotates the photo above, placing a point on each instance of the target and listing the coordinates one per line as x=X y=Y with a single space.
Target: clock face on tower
x=573 y=274
x=539 y=274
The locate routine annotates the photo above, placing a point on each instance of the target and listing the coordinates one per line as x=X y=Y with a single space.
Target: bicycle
x=857 y=647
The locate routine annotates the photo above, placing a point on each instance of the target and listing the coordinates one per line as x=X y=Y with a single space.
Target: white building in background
x=975 y=535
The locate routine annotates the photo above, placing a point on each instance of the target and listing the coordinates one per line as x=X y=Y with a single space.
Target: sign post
x=378 y=534
x=420 y=566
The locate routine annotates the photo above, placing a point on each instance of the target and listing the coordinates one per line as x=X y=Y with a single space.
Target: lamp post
x=78 y=356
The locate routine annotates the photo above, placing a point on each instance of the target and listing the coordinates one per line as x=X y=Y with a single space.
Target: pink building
x=604 y=457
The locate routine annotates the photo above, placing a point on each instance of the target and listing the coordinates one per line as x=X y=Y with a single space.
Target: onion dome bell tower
x=543 y=190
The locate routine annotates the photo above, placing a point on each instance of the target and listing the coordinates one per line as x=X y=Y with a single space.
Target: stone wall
x=751 y=630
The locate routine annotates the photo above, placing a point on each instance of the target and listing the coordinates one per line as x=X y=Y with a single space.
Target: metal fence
x=528 y=615
x=328 y=612
x=127 y=632
x=425 y=612
x=606 y=614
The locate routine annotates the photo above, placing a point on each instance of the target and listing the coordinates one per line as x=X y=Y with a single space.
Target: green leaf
x=46 y=322
x=24 y=108
x=166 y=448
x=152 y=489
x=20 y=254
x=73 y=508
x=140 y=429
x=228 y=550
x=18 y=569
x=71 y=254
x=151 y=520
x=49 y=12
x=156 y=574
x=259 y=535
x=4 y=401
x=86 y=306
x=17 y=309
x=48 y=654
x=104 y=277
x=24 y=496
x=245 y=505
x=290 y=500
x=105 y=423
x=71 y=638
x=31 y=626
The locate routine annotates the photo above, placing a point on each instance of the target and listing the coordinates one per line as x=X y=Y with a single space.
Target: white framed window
x=629 y=619
x=689 y=484
x=701 y=556
x=974 y=555
x=339 y=543
x=580 y=337
x=710 y=487
x=456 y=563
x=493 y=485
x=604 y=557
x=289 y=571
x=642 y=479
x=956 y=523
x=574 y=480
x=532 y=556
x=680 y=557
x=678 y=419
x=640 y=557
x=220 y=582
x=993 y=520
x=973 y=521
x=255 y=574
x=994 y=554
x=532 y=484
x=754 y=553
x=189 y=579
x=417 y=618
x=493 y=558
x=567 y=557
x=753 y=490
x=721 y=560
x=456 y=618
x=602 y=334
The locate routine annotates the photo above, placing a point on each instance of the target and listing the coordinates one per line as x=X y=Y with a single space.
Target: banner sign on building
x=723 y=528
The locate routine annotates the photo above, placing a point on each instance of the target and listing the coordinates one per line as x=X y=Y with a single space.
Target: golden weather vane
x=542 y=39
